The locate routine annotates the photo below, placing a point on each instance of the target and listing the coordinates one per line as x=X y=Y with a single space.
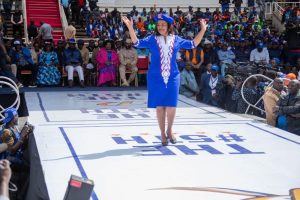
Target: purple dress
x=163 y=75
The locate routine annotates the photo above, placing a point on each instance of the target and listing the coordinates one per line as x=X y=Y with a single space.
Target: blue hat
x=260 y=45
x=72 y=41
x=164 y=17
x=215 y=68
x=9 y=114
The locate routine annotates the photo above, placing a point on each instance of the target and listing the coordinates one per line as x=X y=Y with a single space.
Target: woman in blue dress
x=163 y=75
x=48 y=73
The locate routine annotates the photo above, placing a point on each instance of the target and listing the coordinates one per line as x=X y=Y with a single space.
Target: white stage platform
x=111 y=138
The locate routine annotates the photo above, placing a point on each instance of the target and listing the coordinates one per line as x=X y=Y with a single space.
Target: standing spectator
x=208 y=86
x=251 y=3
x=17 y=21
x=48 y=73
x=21 y=57
x=73 y=61
x=7 y=5
x=45 y=33
x=271 y=98
x=108 y=62
x=224 y=5
x=188 y=83
x=128 y=60
x=238 y=4
x=70 y=31
x=66 y=6
x=3 y=26
x=92 y=4
x=75 y=10
x=290 y=106
x=32 y=30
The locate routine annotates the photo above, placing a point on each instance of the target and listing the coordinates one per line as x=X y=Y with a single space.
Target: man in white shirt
x=260 y=55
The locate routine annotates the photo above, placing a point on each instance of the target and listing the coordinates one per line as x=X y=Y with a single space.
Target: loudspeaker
x=79 y=188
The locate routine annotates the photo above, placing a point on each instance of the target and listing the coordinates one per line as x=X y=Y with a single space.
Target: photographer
x=16 y=145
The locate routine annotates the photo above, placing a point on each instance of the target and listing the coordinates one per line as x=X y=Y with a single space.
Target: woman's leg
x=171 y=112
x=161 y=118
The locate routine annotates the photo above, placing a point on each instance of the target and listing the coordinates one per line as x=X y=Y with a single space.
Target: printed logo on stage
x=131 y=113
x=225 y=143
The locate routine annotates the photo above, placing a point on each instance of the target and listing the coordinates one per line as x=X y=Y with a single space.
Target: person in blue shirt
x=163 y=74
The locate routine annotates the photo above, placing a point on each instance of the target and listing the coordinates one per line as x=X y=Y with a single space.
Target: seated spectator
x=17 y=21
x=225 y=89
x=128 y=59
x=242 y=51
x=196 y=58
x=226 y=57
x=48 y=73
x=108 y=62
x=289 y=106
x=73 y=61
x=21 y=57
x=35 y=53
x=271 y=98
x=250 y=93
x=260 y=55
x=188 y=83
x=208 y=86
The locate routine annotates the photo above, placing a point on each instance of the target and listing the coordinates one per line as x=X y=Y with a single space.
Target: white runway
x=111 y=138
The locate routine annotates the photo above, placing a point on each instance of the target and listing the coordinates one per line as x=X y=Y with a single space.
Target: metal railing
x=8 y=82
x=63 y=18
x=25 y=21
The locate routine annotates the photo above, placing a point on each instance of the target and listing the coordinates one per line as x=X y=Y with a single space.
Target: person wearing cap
x=289 y=106
x=73 y=61
x=48 y=74
x=163 y=74
x=260 y=55
x=128 y=59
x=226 y=57
x=21 y=57
x=16 y=143
x=208 y=86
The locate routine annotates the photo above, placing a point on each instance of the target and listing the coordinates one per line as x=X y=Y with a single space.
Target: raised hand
x=129 y=23
x=203 y=24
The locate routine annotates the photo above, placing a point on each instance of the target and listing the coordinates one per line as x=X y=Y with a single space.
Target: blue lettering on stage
x=186 y=145
x=231 y=138
x=196 y=138
x=137 y=139
x=156 y=151
x=241 y=150
x=188 y=151
x=129 y=116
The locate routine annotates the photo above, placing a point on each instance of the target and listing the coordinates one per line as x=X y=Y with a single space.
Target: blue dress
x=163 y=74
